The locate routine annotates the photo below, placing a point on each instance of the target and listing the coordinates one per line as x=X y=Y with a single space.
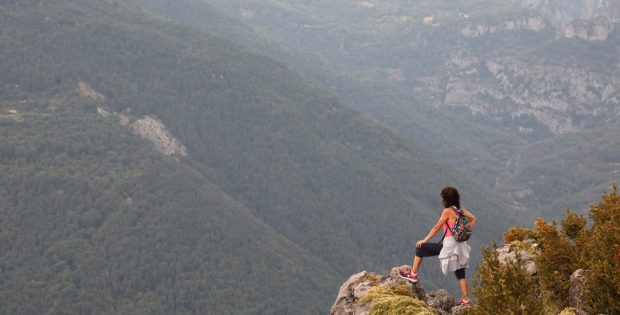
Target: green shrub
x=602 y=288
x=504 y=287
x=573 y=224
x=517 y=233
x=395 y=301
x=569 y=311
x=557 y=261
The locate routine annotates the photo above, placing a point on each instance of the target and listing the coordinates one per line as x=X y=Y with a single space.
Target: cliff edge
x=367 y=292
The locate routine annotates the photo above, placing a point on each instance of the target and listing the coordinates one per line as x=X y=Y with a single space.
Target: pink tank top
x=446 y=230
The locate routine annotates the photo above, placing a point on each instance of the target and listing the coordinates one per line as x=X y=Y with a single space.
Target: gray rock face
x=597 y=29
x=350 y=292
x=510 y=251
x=459 y=310
x=562 y=12
x=528 y=23
x=575 y=293
x=441 y=300
x=559 y=97
x=357 y=286
x=542 y=96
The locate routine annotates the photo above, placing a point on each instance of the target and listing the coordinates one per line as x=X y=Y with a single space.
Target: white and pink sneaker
x=409 y=276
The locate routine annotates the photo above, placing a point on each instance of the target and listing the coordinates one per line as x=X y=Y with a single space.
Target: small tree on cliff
x=557 y=260
x=602 y=255
x=504 y=287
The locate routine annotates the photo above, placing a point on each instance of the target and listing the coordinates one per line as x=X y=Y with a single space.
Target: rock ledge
x=350 y=296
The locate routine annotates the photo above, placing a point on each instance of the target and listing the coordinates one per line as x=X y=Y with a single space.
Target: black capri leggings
x=433 y=249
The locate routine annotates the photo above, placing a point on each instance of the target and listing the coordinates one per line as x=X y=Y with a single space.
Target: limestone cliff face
x=152 y=129
x=148 y=127
x=557 y=90
x=591 y=20
x=596 y=29
x=587 y=19
x=561 y=98
x=530 y=23
x=562 y=12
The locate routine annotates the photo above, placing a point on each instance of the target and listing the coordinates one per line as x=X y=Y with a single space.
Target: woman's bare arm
x=472 y=219
x=442 y=220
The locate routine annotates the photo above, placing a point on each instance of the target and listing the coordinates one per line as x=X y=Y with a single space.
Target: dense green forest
x=382 y=59
x=284 y=193
x=95 y=221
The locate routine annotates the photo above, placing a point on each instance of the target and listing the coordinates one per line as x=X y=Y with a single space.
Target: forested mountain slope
x=444 y=132
x=508 y=75
x=95 y=221
x=278 y=192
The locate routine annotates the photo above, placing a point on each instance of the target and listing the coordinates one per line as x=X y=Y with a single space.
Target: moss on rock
x=395 y=301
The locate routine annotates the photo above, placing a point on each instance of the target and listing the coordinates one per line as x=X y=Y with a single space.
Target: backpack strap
x=456 y=210
x=459 y=213
x=444 y=233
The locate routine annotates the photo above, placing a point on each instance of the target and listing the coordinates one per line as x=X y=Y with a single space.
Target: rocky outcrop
x=87 y=91
x=591 y=20
x=352 y=296
x=562 y=98
x=597 y=29
x=575 y=293
x=560 y=13
x=529 y=23
x=526 y=250
x=150 y=128
x=154 y=130
x=441 y=300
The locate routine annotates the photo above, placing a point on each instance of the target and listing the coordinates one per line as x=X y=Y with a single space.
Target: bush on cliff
x=517 y=233
x=505 y=287
x=395 y=301
x=602 y=255
x=557 y=260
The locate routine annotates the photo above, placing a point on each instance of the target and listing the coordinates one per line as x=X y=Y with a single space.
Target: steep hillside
x=400 y=109
x=520 y=71
x=556 y=168
x=272 y=188
x=94 y=220
x=341 y=185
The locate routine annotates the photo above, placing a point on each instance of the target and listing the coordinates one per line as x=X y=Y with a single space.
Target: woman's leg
x=417 y=260
x=463 y=285
x=426 y=250
x=460 y=275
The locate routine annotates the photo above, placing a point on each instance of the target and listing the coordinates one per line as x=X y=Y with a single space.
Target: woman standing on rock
x=453 y=255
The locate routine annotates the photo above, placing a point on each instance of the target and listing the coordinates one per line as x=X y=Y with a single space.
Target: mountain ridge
x=282 y=185
x=416 y=74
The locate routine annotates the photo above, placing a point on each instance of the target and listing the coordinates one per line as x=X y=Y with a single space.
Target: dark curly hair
x=451 y=197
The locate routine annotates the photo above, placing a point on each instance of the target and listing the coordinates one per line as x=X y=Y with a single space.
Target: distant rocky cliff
x=554 y=90
x=561 y=13
x=559 y=97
